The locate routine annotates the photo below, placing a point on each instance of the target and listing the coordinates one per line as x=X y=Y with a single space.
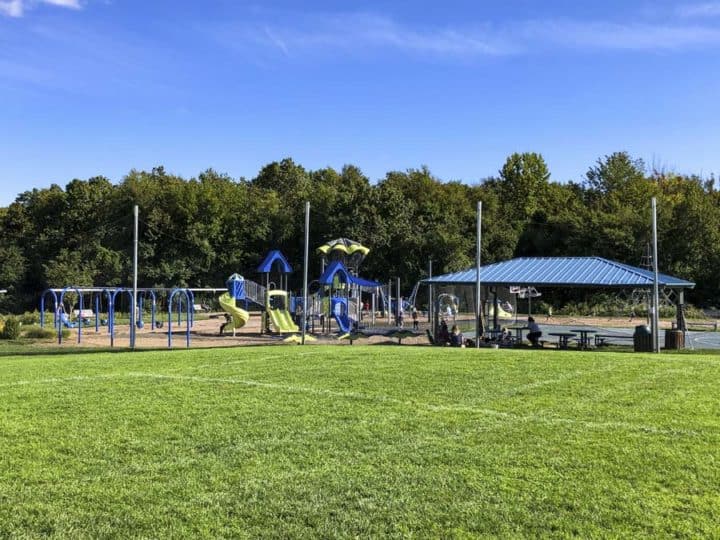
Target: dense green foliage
x=198 y=231
x=359 y=442
x=11 y=329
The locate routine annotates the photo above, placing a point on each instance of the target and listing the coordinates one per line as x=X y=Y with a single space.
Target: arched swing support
x=56 y=318
x=188 y=304
x=111 y=316
x=191 y=318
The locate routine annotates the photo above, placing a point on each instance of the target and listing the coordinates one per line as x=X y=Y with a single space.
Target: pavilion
x=562 y=272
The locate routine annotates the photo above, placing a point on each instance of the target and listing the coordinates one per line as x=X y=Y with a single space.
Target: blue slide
x=339 y=311
x=343 y=322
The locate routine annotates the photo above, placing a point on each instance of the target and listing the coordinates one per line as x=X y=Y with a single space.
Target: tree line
x=198 y=231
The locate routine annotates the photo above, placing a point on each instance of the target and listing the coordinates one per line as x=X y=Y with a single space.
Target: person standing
x=416 y=323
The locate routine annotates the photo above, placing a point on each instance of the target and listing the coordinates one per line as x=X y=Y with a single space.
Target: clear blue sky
x=92 y=87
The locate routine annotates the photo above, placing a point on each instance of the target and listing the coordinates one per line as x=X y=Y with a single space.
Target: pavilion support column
x=496 y=305
x=679 y=308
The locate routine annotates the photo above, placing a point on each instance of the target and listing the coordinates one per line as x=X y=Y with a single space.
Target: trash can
x=642 y=339
x=674 y=339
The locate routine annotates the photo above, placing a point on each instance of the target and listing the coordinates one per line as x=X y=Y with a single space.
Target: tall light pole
x=305 y=271
x=136 y=213
x=656 y=287
x=431 y=301
x=478 y=303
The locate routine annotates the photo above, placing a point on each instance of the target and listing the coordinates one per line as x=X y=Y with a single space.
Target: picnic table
x=518 y=332
x=584 y=342
x=563 y=338
x=494 y=333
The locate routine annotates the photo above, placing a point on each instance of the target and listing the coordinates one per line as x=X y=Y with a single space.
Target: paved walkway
x=693 y=340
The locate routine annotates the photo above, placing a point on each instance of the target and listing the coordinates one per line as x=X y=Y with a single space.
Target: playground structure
x=180 y=303
x=343 y=297
x=236 y=291
x=272 y=300
x=278 y=313
x=276 y=306
x=339 y=301
x=344 y=305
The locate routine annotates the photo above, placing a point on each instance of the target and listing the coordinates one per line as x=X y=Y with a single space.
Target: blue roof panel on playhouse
x=337 y=267
x=561 y=272
x=274 y=256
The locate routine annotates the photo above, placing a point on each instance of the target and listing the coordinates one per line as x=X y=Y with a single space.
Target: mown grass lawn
x=359 y=441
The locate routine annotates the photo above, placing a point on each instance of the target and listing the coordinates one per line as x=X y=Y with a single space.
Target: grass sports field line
x=545 y=419
x=417 y=405
x=558 y=380
x=261 y=358
x=59 y=380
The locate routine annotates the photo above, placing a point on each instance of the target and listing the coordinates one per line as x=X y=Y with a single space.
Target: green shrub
x=40 y=333
x=11 y=329
x=29 y=318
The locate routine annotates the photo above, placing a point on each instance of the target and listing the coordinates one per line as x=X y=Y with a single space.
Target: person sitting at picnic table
x=506 y=336
x=443 y=337
x=534 y=333
x=456 y=337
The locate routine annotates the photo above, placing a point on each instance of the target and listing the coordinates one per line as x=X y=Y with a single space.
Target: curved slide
x=282 y=321
x=502 y=314
x=239 y=316
x=344 y=322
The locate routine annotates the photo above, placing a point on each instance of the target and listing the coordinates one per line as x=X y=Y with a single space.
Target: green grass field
x=359 y=441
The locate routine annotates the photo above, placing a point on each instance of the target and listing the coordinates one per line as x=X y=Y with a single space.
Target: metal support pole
x=496 y=306
x=305 y=271
x=398 y=302
x=135 y=278
x=656 y=288
x=430 y=297
x=679 y=310
x=478 y=303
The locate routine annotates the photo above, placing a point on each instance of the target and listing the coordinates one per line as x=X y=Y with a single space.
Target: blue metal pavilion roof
x=561 y=272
